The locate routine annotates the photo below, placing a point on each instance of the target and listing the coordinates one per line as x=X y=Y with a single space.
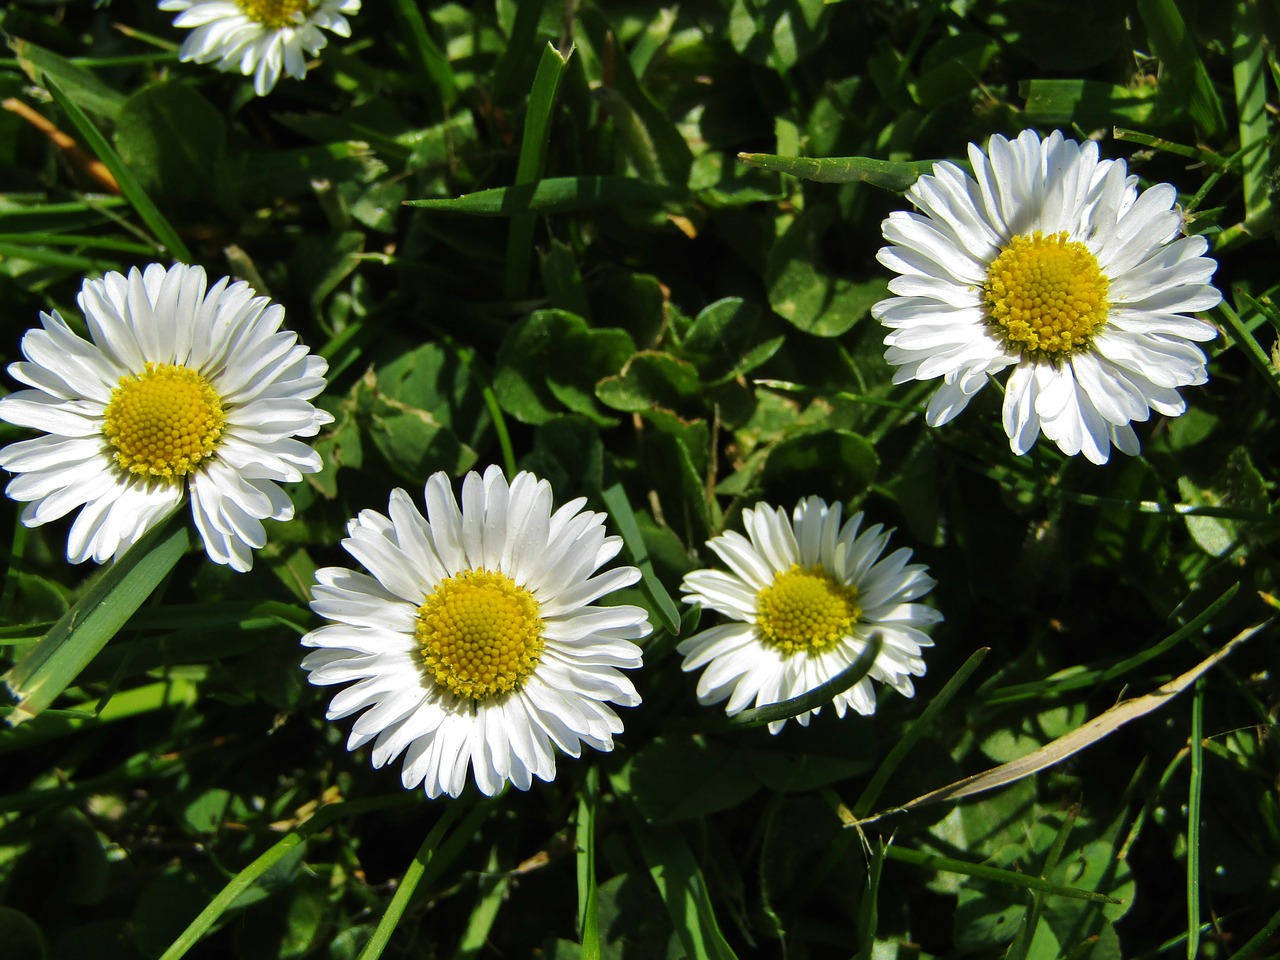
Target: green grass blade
x=533 y=160
x=1194 y=794
x=588 y=889
x=981 y=871
x=1259 y=940
x=819 y=696
x=871 y=793
x=1038 y=690
x=428 y=59
x=493 y=893
x=683 y=890
x=558 y=195
x=81 y=86
x=129 y=186
x=868 y=909
x=409 y=882
x=246 y=878
x=1021 y=946
x=512 y=68
x=619 y=507
x=1249 y=75
x=1186 y=82
x=895 y=175
x=54 y=663
x=1246 y=341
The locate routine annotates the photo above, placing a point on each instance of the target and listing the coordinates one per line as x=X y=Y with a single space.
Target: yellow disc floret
x=164 y=421
x=275 y=14
x=1045 y=296
x=480 y=633
x=805 y=611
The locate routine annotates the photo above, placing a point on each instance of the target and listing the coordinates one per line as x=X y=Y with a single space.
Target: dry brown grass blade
x=1083 y=736
x=90 y=165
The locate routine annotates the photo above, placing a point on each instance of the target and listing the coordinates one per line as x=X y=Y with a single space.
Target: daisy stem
x=433 y=857
x=1193 y=821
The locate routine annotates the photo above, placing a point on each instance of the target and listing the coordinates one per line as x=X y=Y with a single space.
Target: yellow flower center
x=275 y=14
x=164 y=421
x=481 y=634
x=1045 y=296
x=805 y=611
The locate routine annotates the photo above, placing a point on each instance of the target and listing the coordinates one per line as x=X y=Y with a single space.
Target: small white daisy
x=259 y=38
x=1053 y=263
x=474 y=642
x=805 y=600
x=181 y=390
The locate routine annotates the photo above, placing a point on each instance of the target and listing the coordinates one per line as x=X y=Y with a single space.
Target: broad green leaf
x=650 y=380
x=1185 y=83
x=801 y=289
x=846 y=463
x=175 y=141
x=81 y=85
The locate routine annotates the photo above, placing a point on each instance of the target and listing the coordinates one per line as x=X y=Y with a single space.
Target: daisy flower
x=259 y=38
x=472 y=640
x=180 y=390
x=805 y=596
x=1051 y=262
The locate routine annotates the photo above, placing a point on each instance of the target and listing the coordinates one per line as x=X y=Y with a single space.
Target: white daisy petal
x=259 y=39
x=1046 y=222
x=454 y=661
x=109 y=407
x=796 y=623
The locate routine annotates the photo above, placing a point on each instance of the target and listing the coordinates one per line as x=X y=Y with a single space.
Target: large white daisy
x=259 y=38
x=181 y=390
x=472 y=641
x=805 y=596
x=1053 y=263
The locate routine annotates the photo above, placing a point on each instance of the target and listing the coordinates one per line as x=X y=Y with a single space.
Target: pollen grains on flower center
x=164 y=421
x=480 y=633
x=805 y=610
x=1045 y=296
x=275 y=14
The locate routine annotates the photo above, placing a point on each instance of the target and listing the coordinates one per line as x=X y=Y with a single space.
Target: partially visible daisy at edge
x=1052 y=263
x=473 y=641
x=804 y=596
x=259 y=38
x=183 y=390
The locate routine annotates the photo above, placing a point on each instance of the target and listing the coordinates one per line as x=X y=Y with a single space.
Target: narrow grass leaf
x=1038 y=690
x=819 y=696
x=533 y=160
x=433 y=845
x=493 y=893
x=1246 y=341
x=1195 y=791
x=1259 y=940
x=1249 y=76
x=981 y=871
x=1185 y=81
x=895 y=175
x=513 y=65
x=914 y=731
x=868 y=909
x=1021 y=946
x=683 y=890
x=428 y=59
x=615 y=499
x=120 y=589
x=129 y=186
x=246 y=878
x=1078 y=739
x=81 y=86
x=558 y=195
x=588 y=890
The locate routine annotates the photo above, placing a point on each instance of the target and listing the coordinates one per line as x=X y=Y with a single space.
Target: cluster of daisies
x=470 y=639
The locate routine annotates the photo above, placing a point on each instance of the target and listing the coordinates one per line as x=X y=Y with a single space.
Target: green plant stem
x=249 y=875
x=432 y=858
x=1194 y=794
